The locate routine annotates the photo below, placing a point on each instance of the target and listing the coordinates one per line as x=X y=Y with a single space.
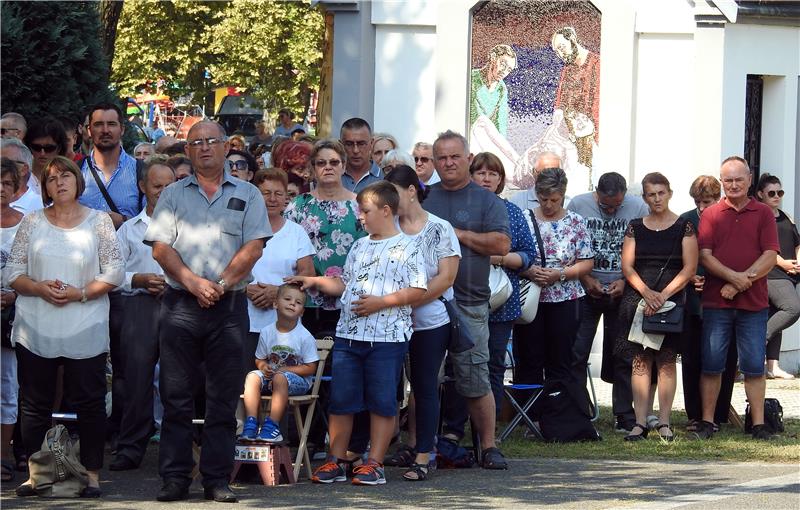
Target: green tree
x=53 y=62
x=270 y=48
x=274 y=49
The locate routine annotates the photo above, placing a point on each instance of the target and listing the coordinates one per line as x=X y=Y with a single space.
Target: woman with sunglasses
x=242 y=164
x=783 y=280
x=46 y=140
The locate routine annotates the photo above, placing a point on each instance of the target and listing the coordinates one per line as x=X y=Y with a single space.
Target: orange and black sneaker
x=329 y=472
x=370 y=473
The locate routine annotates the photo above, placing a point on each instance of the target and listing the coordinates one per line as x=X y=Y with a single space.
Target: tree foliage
x=53 y=62
x=271 y=48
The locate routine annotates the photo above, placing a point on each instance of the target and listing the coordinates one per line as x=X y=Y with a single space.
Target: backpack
x=563 y=418
x=451 y=455
x=773 y=416
x=56 y=470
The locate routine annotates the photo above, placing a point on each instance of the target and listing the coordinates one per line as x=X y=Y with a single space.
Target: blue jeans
x=749 y=329
x=364 y=376
x=427 y=352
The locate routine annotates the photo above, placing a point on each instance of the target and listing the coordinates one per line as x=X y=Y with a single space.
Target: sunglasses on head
x=49 y=147
x=772 y=193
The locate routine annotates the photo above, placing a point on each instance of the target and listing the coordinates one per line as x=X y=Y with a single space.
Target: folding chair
x=595 y=405
x=303 y=425
x=521 y=410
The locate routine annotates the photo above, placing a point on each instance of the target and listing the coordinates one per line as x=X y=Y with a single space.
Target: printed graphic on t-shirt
x=607 y=238
x=283 y=356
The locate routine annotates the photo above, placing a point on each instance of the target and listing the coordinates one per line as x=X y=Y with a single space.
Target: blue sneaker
x=250 y=429
x=270 y=433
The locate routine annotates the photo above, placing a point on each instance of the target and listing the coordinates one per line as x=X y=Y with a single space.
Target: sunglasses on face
x=8 y=130
x=321 y=163
x=772 y=193
x=239 y=164
x=422 y=159
x=49 y=147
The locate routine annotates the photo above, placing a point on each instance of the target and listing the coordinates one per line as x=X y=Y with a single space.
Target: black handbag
x=670 y=321
x=460 y=339
x=7 y=324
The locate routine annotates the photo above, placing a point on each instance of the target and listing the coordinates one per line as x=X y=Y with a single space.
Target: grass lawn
x=729 y=444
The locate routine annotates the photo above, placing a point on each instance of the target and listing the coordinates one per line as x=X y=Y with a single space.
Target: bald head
x=546 y=160
x=203 y=123
x=164 y=143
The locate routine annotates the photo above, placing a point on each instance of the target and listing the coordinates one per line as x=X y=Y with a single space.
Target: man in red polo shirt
x=738 y=243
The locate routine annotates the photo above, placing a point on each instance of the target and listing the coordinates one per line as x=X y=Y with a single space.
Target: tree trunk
x=110 y=11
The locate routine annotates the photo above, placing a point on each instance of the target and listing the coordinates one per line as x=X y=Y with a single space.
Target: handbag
x=670 y=321
x=529 y=292
x=500 y=287
x=56 y=470
x=6 y=324
x=460 y=339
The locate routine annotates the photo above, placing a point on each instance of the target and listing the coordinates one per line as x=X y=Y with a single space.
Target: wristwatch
x=222 y=283
x=563 y=276
x=84 y=298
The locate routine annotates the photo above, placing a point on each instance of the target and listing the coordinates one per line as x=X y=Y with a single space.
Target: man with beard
x=579 y=85
x=109 y=172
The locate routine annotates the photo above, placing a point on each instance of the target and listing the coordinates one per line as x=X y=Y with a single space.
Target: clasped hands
x=739 y=282
x=542 y=276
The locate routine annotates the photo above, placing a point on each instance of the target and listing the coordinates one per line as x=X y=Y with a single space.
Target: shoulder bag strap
x=672 y=253
x=139 y=173
x=539 y=242
x=101 y=186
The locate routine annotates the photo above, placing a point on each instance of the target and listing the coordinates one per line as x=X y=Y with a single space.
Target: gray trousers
x=784 y=304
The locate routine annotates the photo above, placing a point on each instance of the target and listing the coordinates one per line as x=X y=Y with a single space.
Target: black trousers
x=115 y=319
x=84 y=382
x=189 y=335
x=691 y=370
x=614 y=369
x=139 y=354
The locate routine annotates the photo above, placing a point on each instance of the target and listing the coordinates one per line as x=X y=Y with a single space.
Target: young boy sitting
x=383 y=276
x=286 y=358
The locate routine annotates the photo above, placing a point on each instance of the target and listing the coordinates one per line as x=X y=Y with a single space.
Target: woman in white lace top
x=64 y=261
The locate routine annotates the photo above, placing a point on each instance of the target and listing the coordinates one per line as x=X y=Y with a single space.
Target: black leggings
x=84 y=382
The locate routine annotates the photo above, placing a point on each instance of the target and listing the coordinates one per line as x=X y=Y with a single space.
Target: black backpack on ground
x=773 y=416
x=565 y=415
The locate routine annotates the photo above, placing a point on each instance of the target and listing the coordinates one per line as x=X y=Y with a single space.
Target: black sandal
x=403 y=457
x=493 y=459
x=416 y=473
x=668 y=438
x=637 y=437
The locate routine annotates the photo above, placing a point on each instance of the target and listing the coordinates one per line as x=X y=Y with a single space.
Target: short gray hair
x=395 y=155
x=17 y=117
x=551 y=180
x=452 y=135
x=422 y=145
x=24 y=152
x=150 y=162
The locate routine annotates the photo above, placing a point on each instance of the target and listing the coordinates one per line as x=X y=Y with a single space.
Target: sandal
x=637 y=437
x=692 y=426
x=403 y=457
x=493 y=459
x=670 y=436
x=416 y=473
x=7 y=468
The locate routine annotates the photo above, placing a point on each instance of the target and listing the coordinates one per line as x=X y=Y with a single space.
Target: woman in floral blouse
x=329 y=215
x=543 y=348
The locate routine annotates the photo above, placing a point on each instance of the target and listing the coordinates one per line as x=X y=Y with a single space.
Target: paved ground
x=561 y=484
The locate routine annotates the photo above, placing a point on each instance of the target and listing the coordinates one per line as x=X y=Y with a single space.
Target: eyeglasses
x=7 y=130
x=360 y=144
x=48 y=147
x=239 y=164
x=321 y=163
x=422 y=159
x=772 y=193
x=210 y=141
x=270 y=194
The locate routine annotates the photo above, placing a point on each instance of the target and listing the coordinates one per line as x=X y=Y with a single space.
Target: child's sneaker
x=329 y=472
x=250 y=429
x=370 y=473
x=270 y=433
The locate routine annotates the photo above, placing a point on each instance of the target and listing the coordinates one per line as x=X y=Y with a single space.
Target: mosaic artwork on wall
x=535 y=87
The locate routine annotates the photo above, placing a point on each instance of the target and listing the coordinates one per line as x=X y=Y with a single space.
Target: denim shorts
x=749 y=329
x=365 y=375
x=298 y=385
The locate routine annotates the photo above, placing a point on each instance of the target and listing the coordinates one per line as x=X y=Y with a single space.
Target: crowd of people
x=204 y=269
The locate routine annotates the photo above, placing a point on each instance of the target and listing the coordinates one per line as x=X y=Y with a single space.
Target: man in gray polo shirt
x=607 y=212
x=480 y=220
x=207 y=232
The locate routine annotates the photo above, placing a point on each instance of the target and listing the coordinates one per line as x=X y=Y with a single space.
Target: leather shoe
x=122 y=463
x=220 y=494
x=91 y=492
x=25 y=490
x=172 y=491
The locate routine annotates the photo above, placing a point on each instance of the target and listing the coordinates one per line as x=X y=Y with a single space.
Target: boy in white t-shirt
x=286 y=358
x=383 y=276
